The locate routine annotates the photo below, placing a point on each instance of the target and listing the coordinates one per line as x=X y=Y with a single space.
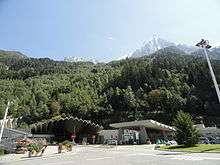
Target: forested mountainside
x=155 y=87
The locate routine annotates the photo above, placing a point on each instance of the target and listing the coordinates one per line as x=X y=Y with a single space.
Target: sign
x=73 y=136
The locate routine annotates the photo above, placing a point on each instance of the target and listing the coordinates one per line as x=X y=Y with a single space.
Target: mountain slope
x=11 y=54
x=213 y=53
x=216 y=53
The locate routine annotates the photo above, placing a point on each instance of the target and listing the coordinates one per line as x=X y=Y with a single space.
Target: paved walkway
x=110 y=155
x=49 y=152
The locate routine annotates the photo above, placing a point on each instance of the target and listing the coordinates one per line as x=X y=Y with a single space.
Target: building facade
x=67 y=129
x=139 y=132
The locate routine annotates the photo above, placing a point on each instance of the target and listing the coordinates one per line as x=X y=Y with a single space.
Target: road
x=121 y=155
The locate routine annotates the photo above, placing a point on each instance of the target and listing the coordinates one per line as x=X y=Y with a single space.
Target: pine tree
x=186 y=133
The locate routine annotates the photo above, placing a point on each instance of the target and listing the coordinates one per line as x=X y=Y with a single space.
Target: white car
x=204 y=140
x=171 y=142
x=111 y=141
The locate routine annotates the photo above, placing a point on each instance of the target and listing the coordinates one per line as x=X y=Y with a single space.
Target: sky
x=103 y=30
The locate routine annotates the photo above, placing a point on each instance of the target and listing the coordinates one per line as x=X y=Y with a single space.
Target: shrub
x=24 y=126
x=34 y=147
x=186 y=133
x=2 y=152
x=67 y=143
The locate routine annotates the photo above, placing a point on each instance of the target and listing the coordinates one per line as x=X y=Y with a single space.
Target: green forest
x=151 y=87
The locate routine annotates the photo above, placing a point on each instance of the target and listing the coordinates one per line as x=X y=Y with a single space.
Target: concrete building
x=105 y=135
x=142 y=132
x=208 y=131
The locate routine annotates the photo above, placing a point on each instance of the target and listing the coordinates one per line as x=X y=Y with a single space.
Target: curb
x=186 y=151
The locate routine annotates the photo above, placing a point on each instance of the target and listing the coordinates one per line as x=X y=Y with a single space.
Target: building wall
x=208 y=131
x=138 y=136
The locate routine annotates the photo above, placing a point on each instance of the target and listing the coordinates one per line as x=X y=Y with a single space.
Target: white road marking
x=58 y=163
x=211 y=158
x=187 y=158
x=176 y=157
x=141 y=154
x=100 y=158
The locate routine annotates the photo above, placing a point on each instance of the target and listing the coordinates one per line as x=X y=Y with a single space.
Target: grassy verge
x=1 y=151
x=198 y=148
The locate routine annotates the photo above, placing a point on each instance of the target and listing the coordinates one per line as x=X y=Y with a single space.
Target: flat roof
x=146 y=123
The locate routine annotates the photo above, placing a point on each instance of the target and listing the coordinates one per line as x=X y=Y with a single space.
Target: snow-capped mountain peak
x=79 y=59
x=124 y=56
x=186 y=48
x=157 y=43
x=152 y=46
x=73 y=59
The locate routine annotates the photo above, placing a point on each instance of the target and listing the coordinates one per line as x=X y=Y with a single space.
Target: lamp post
x=204 y=44
x=3 y=122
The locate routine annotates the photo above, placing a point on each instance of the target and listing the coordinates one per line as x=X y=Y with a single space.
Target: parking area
x=110 y=155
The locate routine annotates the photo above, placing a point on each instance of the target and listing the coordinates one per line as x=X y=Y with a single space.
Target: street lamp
x=3 y=122
x=204 y=44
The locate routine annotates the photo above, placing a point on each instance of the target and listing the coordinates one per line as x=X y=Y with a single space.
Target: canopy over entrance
x=64 y=128
x=146 y=131
x=144 y=123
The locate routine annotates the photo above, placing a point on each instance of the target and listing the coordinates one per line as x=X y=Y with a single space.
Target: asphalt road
x=121 y=155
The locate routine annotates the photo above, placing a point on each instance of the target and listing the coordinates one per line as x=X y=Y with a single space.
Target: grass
x=197 y=148
x=1 y=151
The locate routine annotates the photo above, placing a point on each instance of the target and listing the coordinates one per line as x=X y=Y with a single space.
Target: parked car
x=217 y=140
x=204 y=140
x=110 y=141
x=171 y=142
x=212 y=140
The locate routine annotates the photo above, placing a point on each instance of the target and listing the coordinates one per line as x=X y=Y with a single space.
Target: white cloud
x=111 y=38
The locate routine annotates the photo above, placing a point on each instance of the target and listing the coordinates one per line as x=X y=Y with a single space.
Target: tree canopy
x=155 y=87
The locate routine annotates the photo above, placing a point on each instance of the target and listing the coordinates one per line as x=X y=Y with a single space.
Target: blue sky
x=102 y=29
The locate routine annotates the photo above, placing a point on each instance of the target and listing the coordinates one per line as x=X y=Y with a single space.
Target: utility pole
x=204 y=44
x=4 y=119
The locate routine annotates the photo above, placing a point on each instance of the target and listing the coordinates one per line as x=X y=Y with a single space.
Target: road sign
x=73 y=136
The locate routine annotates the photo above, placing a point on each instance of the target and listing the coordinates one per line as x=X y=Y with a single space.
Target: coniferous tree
x=186 y=132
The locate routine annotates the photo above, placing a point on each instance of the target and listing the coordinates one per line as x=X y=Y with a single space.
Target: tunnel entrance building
x=142 y=132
